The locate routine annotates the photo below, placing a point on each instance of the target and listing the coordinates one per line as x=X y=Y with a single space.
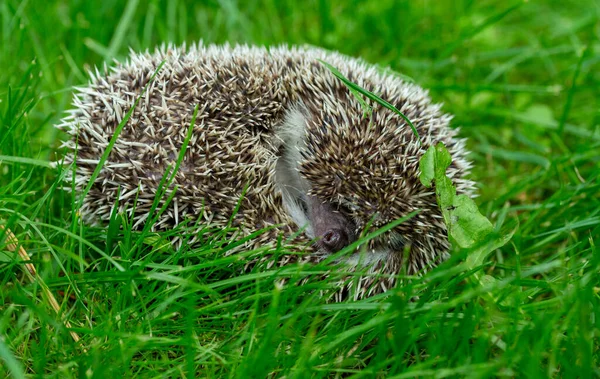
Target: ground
x=523 y=81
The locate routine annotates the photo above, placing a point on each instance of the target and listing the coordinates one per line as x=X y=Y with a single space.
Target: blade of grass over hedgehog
x=166 y=182
x=354 y=88
x=185 y=143
x=113 y=139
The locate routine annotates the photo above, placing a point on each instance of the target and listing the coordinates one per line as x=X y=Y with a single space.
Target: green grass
x=523 y=81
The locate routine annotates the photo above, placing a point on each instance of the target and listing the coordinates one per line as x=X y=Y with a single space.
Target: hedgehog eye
x=347 y=207
x=343 y=208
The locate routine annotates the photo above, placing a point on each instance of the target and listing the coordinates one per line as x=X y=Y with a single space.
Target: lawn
x=522 y=79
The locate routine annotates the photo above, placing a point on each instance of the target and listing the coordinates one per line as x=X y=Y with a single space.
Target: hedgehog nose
x=335 y=240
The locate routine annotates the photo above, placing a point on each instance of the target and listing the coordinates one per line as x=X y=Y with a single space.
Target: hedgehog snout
x=333 y=229
x=335 y=240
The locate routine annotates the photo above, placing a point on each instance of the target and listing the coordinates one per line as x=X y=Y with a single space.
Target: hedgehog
x=278 y=142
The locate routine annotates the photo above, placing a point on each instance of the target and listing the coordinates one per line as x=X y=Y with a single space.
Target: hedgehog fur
x=279 y=124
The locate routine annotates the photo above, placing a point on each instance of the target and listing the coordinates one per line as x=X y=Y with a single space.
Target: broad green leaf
x=467 y=227
x=477 y=256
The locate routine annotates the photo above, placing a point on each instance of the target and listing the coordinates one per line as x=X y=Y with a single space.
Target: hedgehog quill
x=279 y=123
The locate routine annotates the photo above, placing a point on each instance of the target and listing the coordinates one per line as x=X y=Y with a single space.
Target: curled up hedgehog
x=277 y=124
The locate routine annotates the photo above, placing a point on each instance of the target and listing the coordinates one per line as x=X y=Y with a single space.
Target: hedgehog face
x=346 y=173
x=332 y=227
